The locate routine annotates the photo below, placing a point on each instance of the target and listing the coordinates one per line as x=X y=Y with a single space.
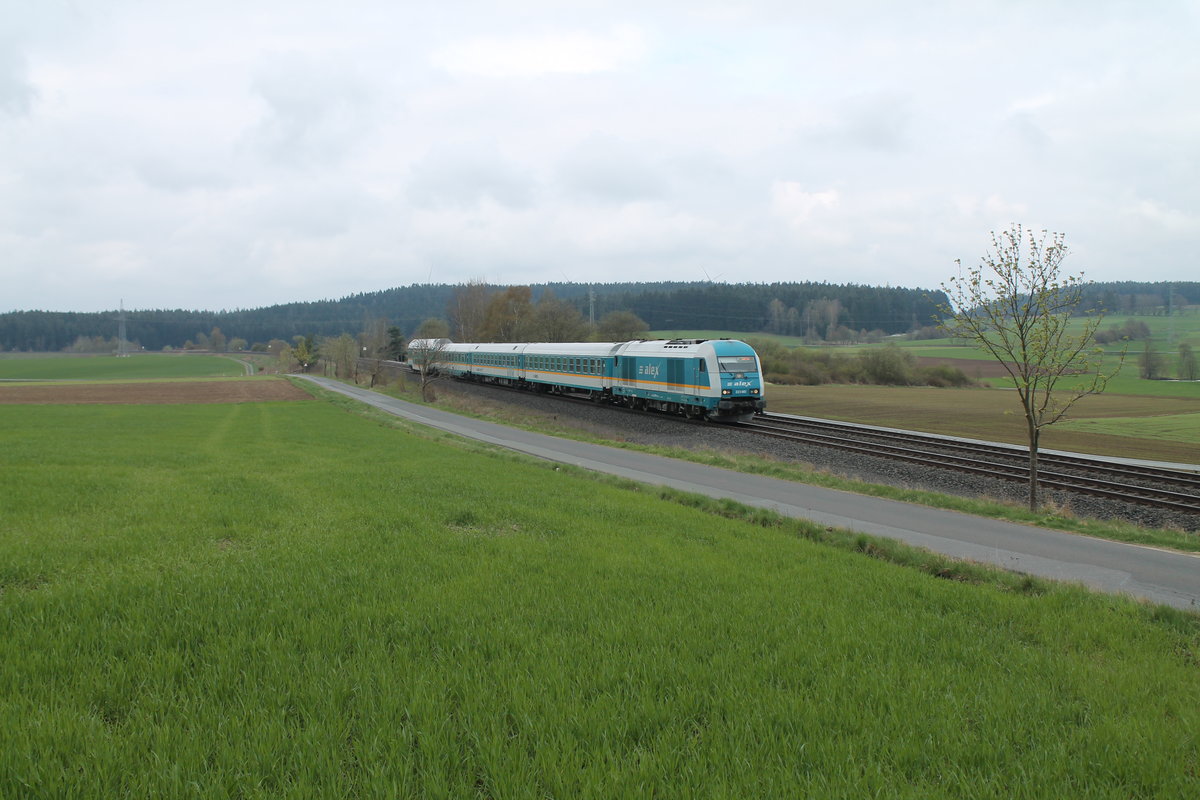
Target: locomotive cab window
x=736 y=363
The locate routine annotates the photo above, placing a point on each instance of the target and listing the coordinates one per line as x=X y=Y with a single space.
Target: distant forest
x=817 y=311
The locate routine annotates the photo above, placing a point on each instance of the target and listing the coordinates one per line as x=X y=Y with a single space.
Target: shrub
x=888 y=365
x=943 y=376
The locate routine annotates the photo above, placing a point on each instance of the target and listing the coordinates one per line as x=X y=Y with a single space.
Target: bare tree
x=1187 y=362
x=1017 y=306
x=427 y=357
x=373 y=342
x=467 y=309
x=1150 y=362
x=508 y=315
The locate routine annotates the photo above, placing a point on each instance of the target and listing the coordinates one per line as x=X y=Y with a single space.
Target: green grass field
x=134 y=367
x=289 y=600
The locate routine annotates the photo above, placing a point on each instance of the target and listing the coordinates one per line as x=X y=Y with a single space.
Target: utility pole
x=1170 y=314
x=122 y=350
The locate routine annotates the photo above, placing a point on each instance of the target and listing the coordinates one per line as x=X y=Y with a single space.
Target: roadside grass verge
x=285 y=599
x=1053 y=517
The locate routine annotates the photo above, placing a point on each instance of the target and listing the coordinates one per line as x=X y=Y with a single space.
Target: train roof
x=692 y=346
x=594 y=349
x=601 y=349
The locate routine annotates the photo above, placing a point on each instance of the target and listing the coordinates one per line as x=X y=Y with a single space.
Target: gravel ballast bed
x=647 y=428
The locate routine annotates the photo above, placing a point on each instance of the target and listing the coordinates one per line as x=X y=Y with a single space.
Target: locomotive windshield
x=737 y=363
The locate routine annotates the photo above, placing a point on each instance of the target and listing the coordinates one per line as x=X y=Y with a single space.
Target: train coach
x=716 y=379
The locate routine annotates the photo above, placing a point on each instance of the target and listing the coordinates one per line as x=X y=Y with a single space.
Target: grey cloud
x=17 y=93
x=462 y=176
x=610 y=171
x=879 y=122
x=1024 y=127
x=181 y=173
x=317 y=109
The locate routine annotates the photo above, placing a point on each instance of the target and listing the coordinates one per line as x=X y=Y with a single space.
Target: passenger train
x=715 y=379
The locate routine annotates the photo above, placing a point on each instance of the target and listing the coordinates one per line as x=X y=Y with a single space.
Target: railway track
x=1152 y=486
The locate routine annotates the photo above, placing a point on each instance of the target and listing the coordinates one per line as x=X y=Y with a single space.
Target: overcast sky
x=224 y=154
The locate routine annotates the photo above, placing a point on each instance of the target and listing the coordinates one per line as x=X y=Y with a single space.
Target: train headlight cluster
x=726 y=391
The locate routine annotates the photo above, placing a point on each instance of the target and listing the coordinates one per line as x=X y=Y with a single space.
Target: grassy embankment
x=288 y=600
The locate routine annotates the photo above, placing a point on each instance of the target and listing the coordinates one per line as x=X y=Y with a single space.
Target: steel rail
x=1180 y=479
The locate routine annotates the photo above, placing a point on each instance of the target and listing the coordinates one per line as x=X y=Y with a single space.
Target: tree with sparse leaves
x=508 y=315
x=1017 y=305
x=555 y=320
x=1150 y=362
x=426 y=357
x=1187 y=363
x=468 y=309
x=432 y=328
x=621 y=326
x=341 y=353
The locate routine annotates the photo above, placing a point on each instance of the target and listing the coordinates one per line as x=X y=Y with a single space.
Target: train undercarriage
x=727 y=410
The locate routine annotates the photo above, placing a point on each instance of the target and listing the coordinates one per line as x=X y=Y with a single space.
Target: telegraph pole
x=122 y=349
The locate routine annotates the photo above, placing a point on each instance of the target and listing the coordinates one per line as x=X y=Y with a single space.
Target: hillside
x=819 y=310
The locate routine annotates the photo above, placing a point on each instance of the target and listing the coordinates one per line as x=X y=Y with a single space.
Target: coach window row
x=495 y=360
x=582 y=366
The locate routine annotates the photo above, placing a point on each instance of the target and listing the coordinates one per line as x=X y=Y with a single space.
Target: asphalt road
x=1157 y=575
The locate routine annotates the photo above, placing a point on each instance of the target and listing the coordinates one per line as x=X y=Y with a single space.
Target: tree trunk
x=1034 y=432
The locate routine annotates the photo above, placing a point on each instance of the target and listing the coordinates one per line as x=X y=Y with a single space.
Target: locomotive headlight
x=754 y=391
x=726 y=391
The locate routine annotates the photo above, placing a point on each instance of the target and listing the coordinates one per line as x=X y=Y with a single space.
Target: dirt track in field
x=189 y=392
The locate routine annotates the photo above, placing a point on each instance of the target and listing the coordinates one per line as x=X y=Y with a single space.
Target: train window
x=703 y=367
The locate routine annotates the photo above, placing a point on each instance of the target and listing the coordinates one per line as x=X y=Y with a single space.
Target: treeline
x=819 y=312
x=1139 y=298
x=816 y=311
x=885 y=366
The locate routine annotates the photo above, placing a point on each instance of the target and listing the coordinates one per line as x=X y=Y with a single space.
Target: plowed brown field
x=971 y=367
x=256 y=391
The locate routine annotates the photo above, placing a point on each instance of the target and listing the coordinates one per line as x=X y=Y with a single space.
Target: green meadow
x=129 y=368
x=304 y=600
